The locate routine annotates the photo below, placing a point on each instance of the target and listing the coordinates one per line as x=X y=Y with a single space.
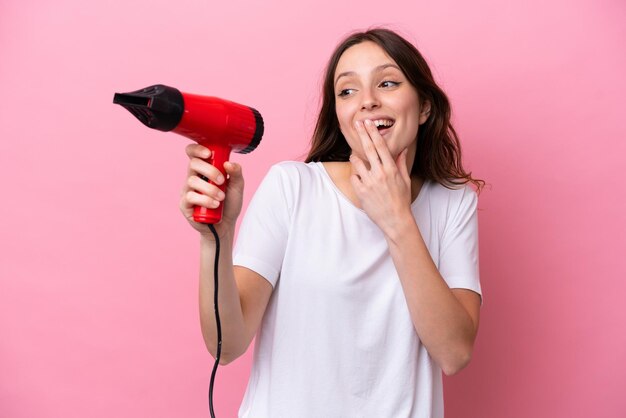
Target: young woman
x=357 y=270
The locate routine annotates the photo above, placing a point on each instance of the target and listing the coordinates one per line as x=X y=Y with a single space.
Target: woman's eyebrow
x=377 y=69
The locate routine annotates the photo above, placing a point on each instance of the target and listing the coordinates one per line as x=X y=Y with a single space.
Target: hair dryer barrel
x=220 y=125
x=210 y=120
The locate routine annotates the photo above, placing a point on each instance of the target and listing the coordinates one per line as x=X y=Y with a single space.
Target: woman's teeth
x=383 y=123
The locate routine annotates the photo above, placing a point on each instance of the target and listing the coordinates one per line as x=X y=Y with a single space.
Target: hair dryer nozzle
x=158 y=107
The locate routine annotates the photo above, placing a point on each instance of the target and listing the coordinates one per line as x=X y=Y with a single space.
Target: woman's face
x=370 y=85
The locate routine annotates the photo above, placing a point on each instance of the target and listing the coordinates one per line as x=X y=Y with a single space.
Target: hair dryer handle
x=219 y=155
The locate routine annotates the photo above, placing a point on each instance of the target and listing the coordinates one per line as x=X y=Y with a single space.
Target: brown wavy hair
x=438 y=153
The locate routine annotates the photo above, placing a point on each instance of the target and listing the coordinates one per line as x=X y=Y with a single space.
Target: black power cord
x=217 y=319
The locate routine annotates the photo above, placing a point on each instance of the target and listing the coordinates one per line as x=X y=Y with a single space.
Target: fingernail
x=357 y=124
x=205 y=153
x=368 y=122
x=220 y=179
x=220 y=194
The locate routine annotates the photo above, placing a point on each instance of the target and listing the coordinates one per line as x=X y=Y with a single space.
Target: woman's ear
x=424 y=111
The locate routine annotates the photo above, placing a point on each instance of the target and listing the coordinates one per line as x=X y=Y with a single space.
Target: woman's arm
x=231 y=315
x=243 y=296
x=446 y=320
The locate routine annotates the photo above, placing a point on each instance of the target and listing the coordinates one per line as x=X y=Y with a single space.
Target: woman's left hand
x=385 y=188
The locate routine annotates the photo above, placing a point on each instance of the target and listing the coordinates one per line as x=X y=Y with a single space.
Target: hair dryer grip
x=219 y=155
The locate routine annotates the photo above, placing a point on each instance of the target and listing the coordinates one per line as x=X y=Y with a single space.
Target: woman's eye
x=345 y=92
x=389 y=84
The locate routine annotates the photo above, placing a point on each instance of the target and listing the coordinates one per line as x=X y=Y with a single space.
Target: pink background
x=98 y=269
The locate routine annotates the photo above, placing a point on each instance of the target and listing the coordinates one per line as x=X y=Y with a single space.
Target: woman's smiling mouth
x=383 y=124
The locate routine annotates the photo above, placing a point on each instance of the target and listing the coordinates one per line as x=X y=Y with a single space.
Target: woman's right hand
x=198 y=192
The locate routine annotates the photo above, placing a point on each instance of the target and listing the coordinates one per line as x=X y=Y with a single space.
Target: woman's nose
x=369 y=100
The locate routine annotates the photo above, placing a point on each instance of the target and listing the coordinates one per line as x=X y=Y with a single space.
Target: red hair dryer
x=220 y=125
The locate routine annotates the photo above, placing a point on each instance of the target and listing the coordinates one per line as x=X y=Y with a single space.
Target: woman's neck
x=340 y=173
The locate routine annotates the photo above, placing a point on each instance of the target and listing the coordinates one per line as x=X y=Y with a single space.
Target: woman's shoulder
x=295 y=169
x=294 y=165
x=293 y=174
x=453 y=196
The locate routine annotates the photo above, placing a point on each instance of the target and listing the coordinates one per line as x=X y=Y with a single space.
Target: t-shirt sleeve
x=263 y=232
x=459 y=249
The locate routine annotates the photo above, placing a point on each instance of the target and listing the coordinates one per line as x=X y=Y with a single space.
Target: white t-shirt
x=337 y=339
